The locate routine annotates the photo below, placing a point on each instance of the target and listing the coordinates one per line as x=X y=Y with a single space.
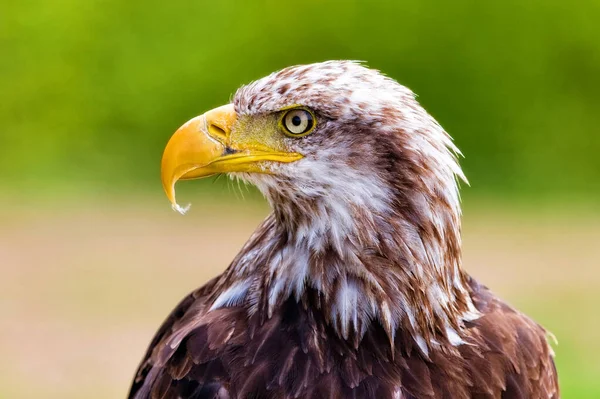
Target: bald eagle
x=352 y=287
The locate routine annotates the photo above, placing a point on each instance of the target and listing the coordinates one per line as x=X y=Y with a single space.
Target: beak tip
x=170 y=191
x=181 y=209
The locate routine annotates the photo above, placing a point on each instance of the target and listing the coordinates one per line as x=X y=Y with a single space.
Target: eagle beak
x=203 y=147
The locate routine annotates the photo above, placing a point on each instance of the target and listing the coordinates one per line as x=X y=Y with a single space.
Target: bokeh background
x=91 y=256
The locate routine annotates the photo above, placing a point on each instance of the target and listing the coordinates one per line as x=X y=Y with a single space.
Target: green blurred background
x=91 y=257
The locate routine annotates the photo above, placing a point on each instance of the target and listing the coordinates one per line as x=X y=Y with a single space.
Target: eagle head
x=357 y=173
x=332 y=146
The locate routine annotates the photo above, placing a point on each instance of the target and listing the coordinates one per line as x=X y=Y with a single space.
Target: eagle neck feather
x=399 y=267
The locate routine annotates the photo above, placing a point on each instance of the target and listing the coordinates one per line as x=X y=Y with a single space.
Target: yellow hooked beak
x=203 y=146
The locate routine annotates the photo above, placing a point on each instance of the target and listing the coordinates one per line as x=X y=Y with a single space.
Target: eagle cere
x=353 y=285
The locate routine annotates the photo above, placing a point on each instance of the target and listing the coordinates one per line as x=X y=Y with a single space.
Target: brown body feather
x=296 y=354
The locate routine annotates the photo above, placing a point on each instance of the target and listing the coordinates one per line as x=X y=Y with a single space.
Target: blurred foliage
x=91 y=90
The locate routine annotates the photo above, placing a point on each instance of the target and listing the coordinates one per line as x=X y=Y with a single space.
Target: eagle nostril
x=217 y=130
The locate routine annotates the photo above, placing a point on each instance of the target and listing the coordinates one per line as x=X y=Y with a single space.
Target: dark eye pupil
x=296 y=120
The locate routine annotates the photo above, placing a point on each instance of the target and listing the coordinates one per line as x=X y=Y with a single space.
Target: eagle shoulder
x=511 y=354
x=166 y=361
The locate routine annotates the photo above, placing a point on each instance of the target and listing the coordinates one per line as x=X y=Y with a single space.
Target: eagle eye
x=298 y=122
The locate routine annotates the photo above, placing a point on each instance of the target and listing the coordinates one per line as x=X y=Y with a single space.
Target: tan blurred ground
x=82 y=290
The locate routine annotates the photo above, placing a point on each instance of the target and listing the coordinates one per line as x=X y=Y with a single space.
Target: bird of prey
x=353 y=286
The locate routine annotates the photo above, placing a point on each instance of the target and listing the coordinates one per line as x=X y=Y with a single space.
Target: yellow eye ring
x=297 y=122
